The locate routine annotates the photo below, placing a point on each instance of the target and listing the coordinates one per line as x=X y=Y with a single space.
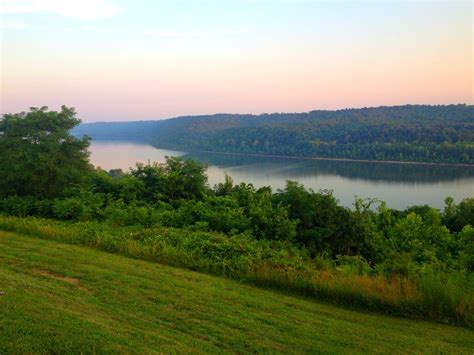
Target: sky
x=124 y=60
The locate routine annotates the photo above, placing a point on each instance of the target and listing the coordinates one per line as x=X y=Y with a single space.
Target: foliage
x=271 y=264
x=295 y=239
x=323 y=226
x=392 y=242
x=176 y=179
x=422 y=133
x=39 y=157
x=457 y=216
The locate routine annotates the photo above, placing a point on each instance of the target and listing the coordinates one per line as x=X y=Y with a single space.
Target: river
x=400 y=185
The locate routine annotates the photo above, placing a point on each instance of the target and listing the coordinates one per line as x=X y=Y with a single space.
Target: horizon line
x=276 y=113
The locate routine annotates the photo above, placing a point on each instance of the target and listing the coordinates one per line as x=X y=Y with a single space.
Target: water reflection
x=354 y=170
x=124 y=155
x=401 y=185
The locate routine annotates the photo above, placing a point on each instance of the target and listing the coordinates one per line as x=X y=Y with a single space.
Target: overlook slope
x=60 y=298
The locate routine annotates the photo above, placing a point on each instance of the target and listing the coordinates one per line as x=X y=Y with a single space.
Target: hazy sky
x=147 y=59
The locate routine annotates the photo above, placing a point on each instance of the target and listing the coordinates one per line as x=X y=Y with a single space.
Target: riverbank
x=315 y=158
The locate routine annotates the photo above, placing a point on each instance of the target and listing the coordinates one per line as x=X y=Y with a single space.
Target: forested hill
x=422 y=133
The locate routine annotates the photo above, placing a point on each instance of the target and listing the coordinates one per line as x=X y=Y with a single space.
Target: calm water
x=400 y=185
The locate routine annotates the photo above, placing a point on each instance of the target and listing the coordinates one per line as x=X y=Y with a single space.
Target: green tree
x=455 y=217
x=324 y=226
x=39 y=157
x=172 y=181
x=186 y=179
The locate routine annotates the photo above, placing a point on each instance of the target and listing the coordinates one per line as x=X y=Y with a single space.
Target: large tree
x=38 y=155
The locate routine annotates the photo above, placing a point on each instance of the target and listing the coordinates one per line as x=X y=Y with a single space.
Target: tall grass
x=440 y=297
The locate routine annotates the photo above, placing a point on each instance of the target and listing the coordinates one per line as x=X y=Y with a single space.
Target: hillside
x=59 y=298
x=421 y=133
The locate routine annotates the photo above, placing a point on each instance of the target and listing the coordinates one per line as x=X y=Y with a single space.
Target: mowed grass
x=60 y=298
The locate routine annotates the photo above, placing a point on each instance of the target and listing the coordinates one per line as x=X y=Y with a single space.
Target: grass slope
x=60 y=298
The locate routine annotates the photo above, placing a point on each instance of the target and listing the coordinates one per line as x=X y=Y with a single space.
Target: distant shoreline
x=320 y=158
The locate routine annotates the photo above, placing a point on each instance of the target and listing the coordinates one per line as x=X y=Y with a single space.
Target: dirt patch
x=53 y=275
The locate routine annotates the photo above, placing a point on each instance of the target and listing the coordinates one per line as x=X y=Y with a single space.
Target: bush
x=26 y=206
x=82 y=207
x=355 y=265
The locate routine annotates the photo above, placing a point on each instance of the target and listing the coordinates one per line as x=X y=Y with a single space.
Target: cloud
x=85 y=9
x=12 y=25
x=193 y=34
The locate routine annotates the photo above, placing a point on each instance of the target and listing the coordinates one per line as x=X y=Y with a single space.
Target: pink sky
x=121 y=65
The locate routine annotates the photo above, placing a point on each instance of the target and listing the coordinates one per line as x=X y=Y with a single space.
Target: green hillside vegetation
x=59 y=298
x=420 y=133
x=416 y=263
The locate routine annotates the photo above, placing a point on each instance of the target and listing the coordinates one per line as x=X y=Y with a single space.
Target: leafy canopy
x=39 y=157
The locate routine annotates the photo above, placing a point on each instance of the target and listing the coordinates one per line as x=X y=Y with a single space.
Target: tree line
x=420 y=133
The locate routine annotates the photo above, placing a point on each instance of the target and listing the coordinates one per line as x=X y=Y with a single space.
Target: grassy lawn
x=60 y=298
